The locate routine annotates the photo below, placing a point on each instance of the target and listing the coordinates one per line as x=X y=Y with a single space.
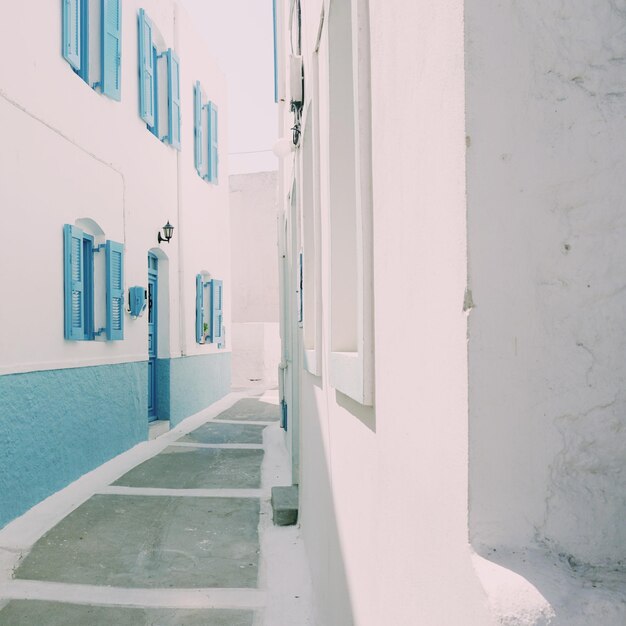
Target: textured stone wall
x=57 y=425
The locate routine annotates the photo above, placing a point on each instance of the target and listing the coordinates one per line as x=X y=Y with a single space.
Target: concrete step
x=285 y=505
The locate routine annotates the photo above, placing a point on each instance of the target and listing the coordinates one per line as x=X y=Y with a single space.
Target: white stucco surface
x=70 y=153
x=384 y=489
x=255 y=338
x=512 y=116
x=546 y=226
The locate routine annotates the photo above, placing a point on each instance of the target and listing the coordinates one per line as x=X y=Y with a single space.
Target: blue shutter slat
x=173 y=98
x=111 y=48
x=217 y=307
x=146 y=70
x=197 y=128
x=199 y=309
x=213 y=154
x=115 y=290
x=74 y=286
x=71 y=19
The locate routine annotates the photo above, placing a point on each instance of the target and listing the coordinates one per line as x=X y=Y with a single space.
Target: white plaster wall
x=546 y=118
x=70 y=153
x=256 y=353
x=384 y=489
x=255 y=333
x=253 y=215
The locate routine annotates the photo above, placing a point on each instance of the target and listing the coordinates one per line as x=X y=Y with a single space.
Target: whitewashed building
x=110 y=114
x=255 y=335
x=454 y=314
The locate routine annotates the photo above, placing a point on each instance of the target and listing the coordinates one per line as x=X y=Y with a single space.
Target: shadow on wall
x=322 y=539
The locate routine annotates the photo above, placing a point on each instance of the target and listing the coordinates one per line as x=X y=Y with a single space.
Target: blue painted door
x=153 y=273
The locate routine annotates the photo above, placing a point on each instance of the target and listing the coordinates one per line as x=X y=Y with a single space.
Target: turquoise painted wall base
x=195 y=382
x=57 y=425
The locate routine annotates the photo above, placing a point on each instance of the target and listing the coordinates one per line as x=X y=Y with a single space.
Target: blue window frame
x=146 y=69
x=173 y=98
x=78 y=284
x=217 y=313
x=200 y=309
x=72 y=29
x=111 y=49
x=209 y=323
x=212 y=151
x=206 y=153
x=76 y=43
x=198 y=131
x=114 y=290
x=150 y=87
x=79 y=287
x=154 y=128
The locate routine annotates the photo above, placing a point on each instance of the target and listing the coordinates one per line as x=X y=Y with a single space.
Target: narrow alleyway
x=177 y=531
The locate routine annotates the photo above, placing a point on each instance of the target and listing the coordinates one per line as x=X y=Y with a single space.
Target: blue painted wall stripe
x=46 y=441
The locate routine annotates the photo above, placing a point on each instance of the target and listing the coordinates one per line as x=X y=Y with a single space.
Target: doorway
x=153 y=285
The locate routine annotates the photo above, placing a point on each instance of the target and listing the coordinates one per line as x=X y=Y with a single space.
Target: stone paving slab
x=179 y=467
x=151 y=542
x=225 y=433
x=251 y=410
x=37 y=613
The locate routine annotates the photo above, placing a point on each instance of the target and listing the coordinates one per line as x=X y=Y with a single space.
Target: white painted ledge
x=311 y=362
x=346 y=375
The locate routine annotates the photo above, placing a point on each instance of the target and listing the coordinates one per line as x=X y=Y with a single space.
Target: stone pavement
x=177 y=531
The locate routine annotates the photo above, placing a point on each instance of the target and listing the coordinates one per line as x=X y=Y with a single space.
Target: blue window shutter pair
x=173 y=98
x=111 y=48
x=72 y=32
x=217 y=308
x=197 y=128
x=114 y=290
x=213 y=154
x=146 y=70
x=199 y=308
x=74 y=283
x=78 y=286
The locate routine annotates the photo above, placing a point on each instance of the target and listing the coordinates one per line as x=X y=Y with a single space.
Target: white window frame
x=352 y=372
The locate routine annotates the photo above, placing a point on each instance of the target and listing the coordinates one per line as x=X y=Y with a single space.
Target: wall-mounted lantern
x=168 y=231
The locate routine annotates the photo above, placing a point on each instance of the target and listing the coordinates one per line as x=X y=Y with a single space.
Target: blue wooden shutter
x=111 y=52
x=71 y=32
x=74 y=283
x=146 y=70
x=213 y=156
x=115 y=290
x=197 y=127
x=217 y=307
x=173 y=98
x=199 y=309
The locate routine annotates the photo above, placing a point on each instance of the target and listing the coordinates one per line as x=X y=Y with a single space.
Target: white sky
x=239 y=34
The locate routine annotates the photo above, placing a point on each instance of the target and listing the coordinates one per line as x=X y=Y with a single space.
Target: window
x=93 y=47
x=206 y=152
x=81 y=287
x=350 y=201
x=209 y=310
x=78 y=276
x=159 y=84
